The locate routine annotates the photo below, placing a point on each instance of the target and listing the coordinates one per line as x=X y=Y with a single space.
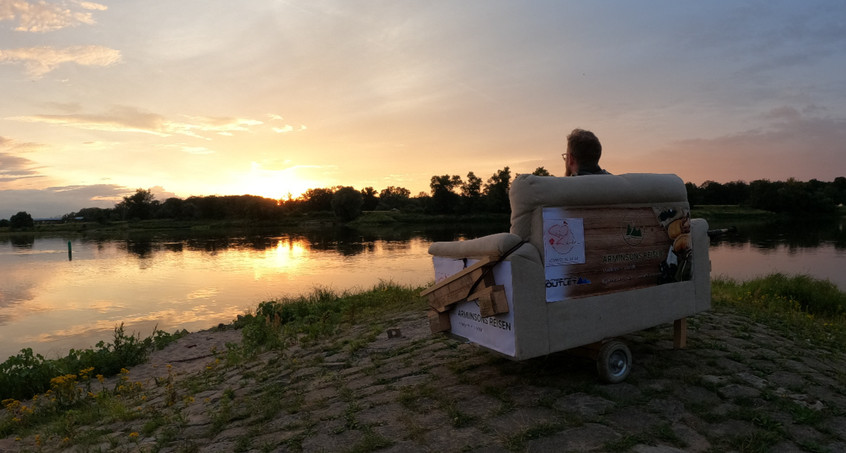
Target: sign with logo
x=592 y=251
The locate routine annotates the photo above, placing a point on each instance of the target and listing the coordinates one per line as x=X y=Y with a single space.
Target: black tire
x=614 y=362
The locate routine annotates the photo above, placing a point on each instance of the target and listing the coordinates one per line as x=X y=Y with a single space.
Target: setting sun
x=275 y=184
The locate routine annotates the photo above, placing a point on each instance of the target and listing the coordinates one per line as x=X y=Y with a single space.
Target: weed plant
x=27 y=374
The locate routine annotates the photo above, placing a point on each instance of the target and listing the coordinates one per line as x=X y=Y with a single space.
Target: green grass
x=322 y=313
x=27 y=374
x=800 y=306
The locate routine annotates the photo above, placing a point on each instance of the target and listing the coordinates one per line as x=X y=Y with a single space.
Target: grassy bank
x=75 y=394
x=801 y=307
x=304 y=319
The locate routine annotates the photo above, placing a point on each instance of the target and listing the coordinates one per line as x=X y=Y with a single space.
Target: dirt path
x=738 y=387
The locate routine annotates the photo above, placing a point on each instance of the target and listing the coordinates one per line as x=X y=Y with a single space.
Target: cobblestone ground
x=738 y=386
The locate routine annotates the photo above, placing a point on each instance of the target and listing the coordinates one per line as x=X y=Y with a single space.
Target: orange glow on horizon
x=274 y=184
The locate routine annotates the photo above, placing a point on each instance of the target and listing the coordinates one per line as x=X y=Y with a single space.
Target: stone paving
x=739 y=386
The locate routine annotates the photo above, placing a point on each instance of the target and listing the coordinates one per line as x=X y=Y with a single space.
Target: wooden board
x=457 y=287
x=611 y=249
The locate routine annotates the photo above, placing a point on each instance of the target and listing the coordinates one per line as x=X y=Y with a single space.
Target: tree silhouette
x=444 y=198
x=346 y=203
x=393 y=198
x=471 y=193
x=137 y=206
x=21 y=220
x=370 y=198
x=496 y=191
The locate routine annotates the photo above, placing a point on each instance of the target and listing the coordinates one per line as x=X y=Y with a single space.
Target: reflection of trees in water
x=142 y=248
x=806 y=232
x=344 y=240
x=22 y=241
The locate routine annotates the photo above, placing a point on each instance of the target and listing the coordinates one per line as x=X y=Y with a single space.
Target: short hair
x=584 y=147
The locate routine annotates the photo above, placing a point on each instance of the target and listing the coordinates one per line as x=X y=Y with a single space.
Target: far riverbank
x=370 y=219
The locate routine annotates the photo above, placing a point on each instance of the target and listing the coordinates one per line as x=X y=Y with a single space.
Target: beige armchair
x=587 y=259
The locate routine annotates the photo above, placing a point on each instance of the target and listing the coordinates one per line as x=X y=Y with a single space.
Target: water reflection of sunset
x=288 y=254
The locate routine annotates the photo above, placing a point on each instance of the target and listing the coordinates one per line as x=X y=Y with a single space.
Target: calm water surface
x=52 y=303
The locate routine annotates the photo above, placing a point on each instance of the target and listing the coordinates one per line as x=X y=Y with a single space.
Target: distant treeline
x=449 y=194
x=791 y=196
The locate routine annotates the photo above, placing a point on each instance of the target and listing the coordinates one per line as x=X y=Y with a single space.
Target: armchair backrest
x=530 y=194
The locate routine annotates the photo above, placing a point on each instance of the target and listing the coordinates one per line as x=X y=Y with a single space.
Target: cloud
x=41 y=17
x=13 y=167
x=287 y=127
x=119 y=119
x=161 y=194
x=215 y=125
x=130 y=119
x=41 y=60
x=57 y=201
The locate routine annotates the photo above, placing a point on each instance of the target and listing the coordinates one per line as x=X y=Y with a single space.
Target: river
x=52 y=300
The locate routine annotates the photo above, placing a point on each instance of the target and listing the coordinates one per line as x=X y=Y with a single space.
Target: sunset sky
x=271 y=97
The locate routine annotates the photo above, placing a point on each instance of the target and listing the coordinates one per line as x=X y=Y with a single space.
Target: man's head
x=583 y=150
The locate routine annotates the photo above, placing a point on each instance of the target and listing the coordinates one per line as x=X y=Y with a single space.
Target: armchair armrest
x=492 y=245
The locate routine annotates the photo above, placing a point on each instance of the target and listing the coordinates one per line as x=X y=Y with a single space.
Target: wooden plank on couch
x=491 y=300
x=456 y=288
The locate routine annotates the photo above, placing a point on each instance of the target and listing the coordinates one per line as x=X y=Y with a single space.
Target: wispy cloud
x=118 y=119
x=287 y=127
x=215 y=125
x=130 y=119
x=42 y=16
x=13 y=167
x=41 y=60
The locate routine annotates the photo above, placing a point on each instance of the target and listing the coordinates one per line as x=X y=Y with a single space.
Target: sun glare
x=275 y=184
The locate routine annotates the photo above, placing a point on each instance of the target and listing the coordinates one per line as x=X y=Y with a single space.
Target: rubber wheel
x=614 y=362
